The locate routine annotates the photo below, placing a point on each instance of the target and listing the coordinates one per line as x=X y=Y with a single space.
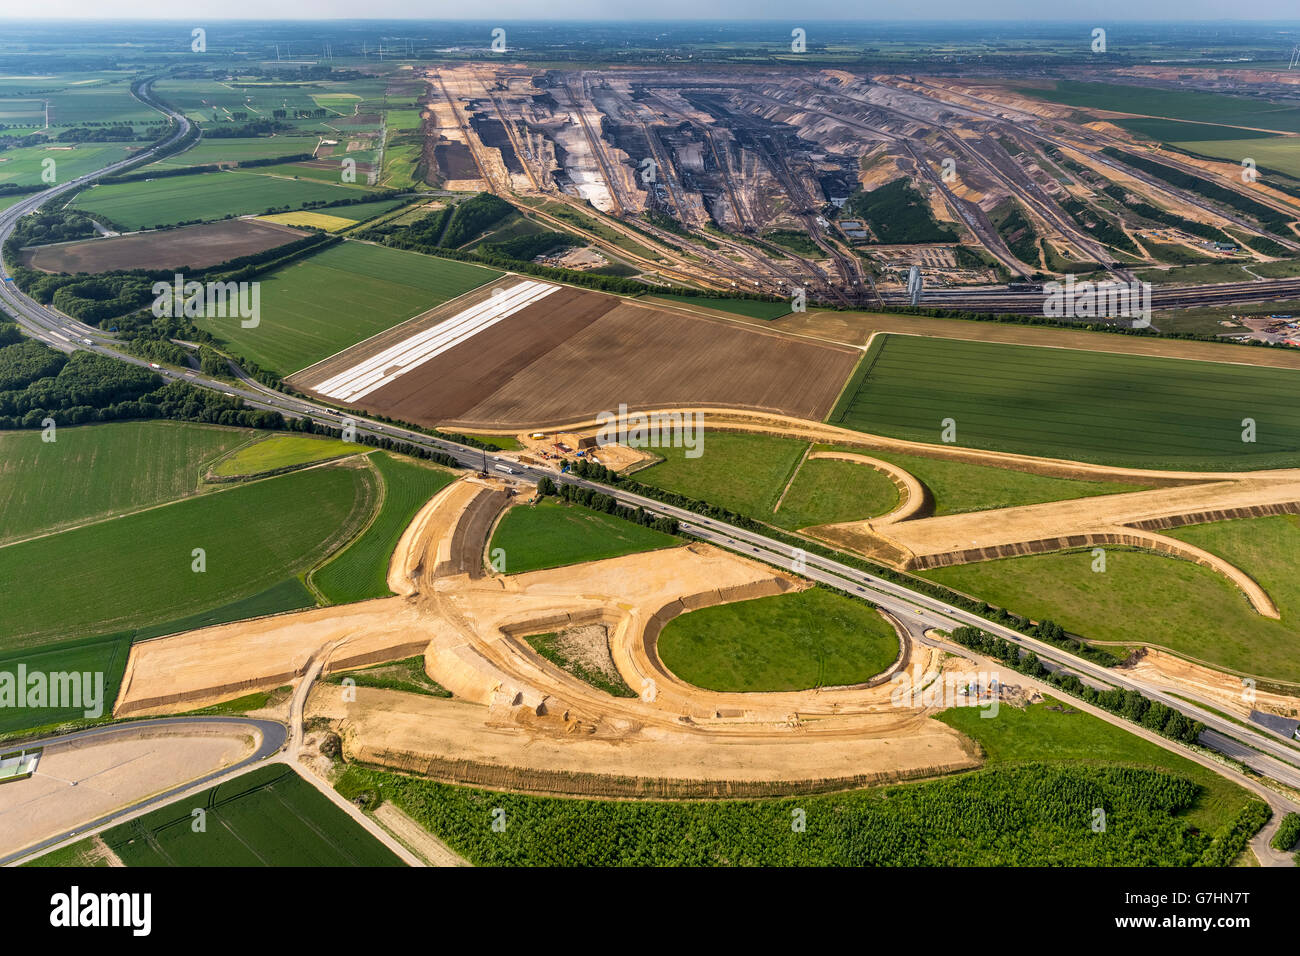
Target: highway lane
x=274 y=736
x=69 y=335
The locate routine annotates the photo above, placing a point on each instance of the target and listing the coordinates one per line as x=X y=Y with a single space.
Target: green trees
x=1129 y=704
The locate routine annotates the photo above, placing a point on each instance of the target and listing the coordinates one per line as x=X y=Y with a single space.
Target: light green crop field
x=747 y=473
x=553 y=533
x=1145 y=597
x=26 y=165
x=164 y=202
x=240 y=149
x=93 y=471
x=1191 y=105
x=1078 y=405
x=743 y=473
x=267 y=817
x=813 y=638
x=753 y=308
x=324 y=303
x=282 y=451
x=958 y=487
x=137 y=571
x=825 y=491
x=360 y=571
x=1275 y=152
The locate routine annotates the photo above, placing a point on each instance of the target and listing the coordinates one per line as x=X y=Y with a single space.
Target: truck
x=506 y=468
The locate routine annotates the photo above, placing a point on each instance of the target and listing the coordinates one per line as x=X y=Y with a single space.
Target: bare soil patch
x=194 y=246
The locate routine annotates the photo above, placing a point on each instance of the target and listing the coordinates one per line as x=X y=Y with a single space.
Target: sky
x=1181 y=11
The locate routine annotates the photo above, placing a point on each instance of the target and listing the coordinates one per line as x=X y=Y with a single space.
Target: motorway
x=924 y=612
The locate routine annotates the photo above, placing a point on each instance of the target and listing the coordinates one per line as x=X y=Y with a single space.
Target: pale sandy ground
x=430 y=848
x=540 y=716
x=1225 y=692
x=78 y=782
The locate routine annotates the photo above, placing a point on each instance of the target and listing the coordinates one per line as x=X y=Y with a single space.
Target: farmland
x=813 y=638
x=360 y=571
x=281 y=451
x=199 y=246
x=164 y=202
x=239 y=149
x=1173 y=104
x=651 y=358
x=106 y=655
x=324 y=303
x=253 y=536
x=25 y=165
x=1276 y=152
x=1084 y=406
x=1181 y=606
x=267 y=817
x=552 y=534
x=97 y=470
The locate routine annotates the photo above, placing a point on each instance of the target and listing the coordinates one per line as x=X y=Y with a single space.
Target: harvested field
x=189 y=246
x=577 y=353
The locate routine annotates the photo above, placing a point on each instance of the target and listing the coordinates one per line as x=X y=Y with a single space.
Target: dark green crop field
x=268 y=817
x=1084 y=406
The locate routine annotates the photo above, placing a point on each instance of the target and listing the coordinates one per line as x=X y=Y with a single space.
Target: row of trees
x=597 y=501
x=1130 y=704
x=1038 y=814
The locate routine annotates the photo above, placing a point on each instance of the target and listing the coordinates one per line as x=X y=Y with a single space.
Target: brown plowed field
x=577 y=353
x=194 y=246
x=646 y=357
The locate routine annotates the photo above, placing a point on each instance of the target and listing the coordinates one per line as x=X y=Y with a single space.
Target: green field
x=747 y=474
x=281 y=451
x=96 y=655
x=1275 y=152
x=26 y=164
x=137 y=571
x=361 y=570
x=240 y=149
x=553 y=533
x=813 y=638
x=753 y=308
x=164 y=202
x=267 y=817
x=1054 y=731
x=92 y=471
x=1162 y=809
x=744 y=473
x=1200 y=107
x=1078 y=405
x=957 y=487
x=1146 y=597
x=320 y=305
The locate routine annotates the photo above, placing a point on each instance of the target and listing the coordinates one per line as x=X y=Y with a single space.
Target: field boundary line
x=217 y=489
x=396 y=325
x=331 y=557
x=793 y=475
